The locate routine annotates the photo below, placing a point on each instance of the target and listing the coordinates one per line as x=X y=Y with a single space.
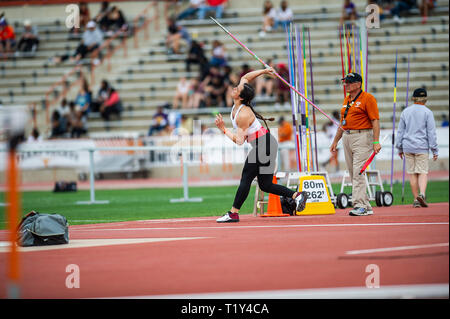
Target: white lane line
x=259 y=226
x=83 y=243
x=379 y=250
x=384 y=292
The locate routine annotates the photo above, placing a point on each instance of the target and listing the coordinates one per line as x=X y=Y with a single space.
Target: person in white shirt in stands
x=182 y=93
x=284 y=16
x=194 y=6
x=92 y=39
x=269 y=17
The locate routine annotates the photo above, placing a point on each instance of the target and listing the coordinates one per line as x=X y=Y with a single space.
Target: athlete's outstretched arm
x=250 y=76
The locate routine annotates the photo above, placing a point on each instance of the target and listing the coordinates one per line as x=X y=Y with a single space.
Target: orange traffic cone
x=274 y=205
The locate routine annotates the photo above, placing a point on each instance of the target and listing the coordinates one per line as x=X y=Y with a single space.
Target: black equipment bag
x=287 y=205
x=63 y=186
x=38 y=229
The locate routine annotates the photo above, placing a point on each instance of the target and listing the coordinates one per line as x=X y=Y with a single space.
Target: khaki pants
x=358 y=147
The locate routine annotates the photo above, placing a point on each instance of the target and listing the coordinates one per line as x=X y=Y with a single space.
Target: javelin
x=275 y=73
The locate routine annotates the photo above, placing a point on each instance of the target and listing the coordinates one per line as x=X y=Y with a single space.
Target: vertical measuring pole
x=312 y=98
x=404 y=161
x=342 y=59
x=393 y=120
x=297 y=130
x=308 y=136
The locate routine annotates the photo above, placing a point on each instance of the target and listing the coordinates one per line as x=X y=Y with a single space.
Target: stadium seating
x=147 y=78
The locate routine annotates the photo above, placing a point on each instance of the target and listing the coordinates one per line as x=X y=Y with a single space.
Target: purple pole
x=403 y=170
x=293 y=101
x=393 y=119
x=300 y=71
x=312 y=98
x=367 y=61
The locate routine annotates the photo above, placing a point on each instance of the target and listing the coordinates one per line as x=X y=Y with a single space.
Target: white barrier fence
x=133 y=154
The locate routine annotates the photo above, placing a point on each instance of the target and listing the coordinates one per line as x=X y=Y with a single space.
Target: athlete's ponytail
x=247 y=94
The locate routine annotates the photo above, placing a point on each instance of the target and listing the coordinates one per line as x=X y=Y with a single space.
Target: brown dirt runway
x=256 y=254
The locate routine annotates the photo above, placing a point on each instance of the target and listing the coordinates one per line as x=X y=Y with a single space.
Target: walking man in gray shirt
x=415 y=137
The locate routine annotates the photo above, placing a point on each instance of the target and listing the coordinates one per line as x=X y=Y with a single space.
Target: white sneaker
x=300 y=201
x=262 y=34
x=228 y=218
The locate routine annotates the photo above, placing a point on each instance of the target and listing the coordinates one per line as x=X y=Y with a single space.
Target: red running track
x=256 y=254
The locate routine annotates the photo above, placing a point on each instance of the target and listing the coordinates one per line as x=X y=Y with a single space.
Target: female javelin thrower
x=260 y=161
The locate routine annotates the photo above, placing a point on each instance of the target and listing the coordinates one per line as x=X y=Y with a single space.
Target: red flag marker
x=370 y=159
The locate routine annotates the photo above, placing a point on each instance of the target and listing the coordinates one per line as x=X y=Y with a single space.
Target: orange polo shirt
x=361 y=114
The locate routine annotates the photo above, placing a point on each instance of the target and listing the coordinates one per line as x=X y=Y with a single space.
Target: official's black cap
x=420 y=92
x=352 y=78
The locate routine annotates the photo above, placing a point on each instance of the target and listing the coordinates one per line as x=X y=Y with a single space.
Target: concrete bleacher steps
x=142 y=87
x=147 y=78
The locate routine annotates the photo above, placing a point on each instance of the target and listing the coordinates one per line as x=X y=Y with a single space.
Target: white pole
x=185 y=184
x=91 y=182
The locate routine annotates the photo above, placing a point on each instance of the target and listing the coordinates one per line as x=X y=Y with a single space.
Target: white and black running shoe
x=300 y=200
x=228 y=218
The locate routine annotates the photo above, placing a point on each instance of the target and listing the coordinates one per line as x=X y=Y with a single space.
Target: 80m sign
x=316 y=190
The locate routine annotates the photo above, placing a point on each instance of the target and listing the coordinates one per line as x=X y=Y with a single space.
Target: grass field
x=142 y=204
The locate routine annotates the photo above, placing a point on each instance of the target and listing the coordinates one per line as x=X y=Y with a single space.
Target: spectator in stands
x=115 y=21
x=175 y=34
x=284 y=16
x=215 y=88
x=63 y=110
x=102 y=16
x=285 y=130
x=193 y=8
x=102 y=95
x=182 y=93
x=425 y=7
x=348 y=12
x=58 y=125
x=112 y=105
x=83 y=99
x=159 y=121
x=196 y=55
x=34 y=136
x=219 y=55
x=402 y=7
x=196 y=94
x=265 y=84
x=91 y=40
x=85 y=17
x=185 y=127
x=269 y=18
x=7 y=36
x=212 y=5
x=231 y=80
x=30 y=39
x=444 y=119
x=76 y=125
x=282 y=90
x=245 y=68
